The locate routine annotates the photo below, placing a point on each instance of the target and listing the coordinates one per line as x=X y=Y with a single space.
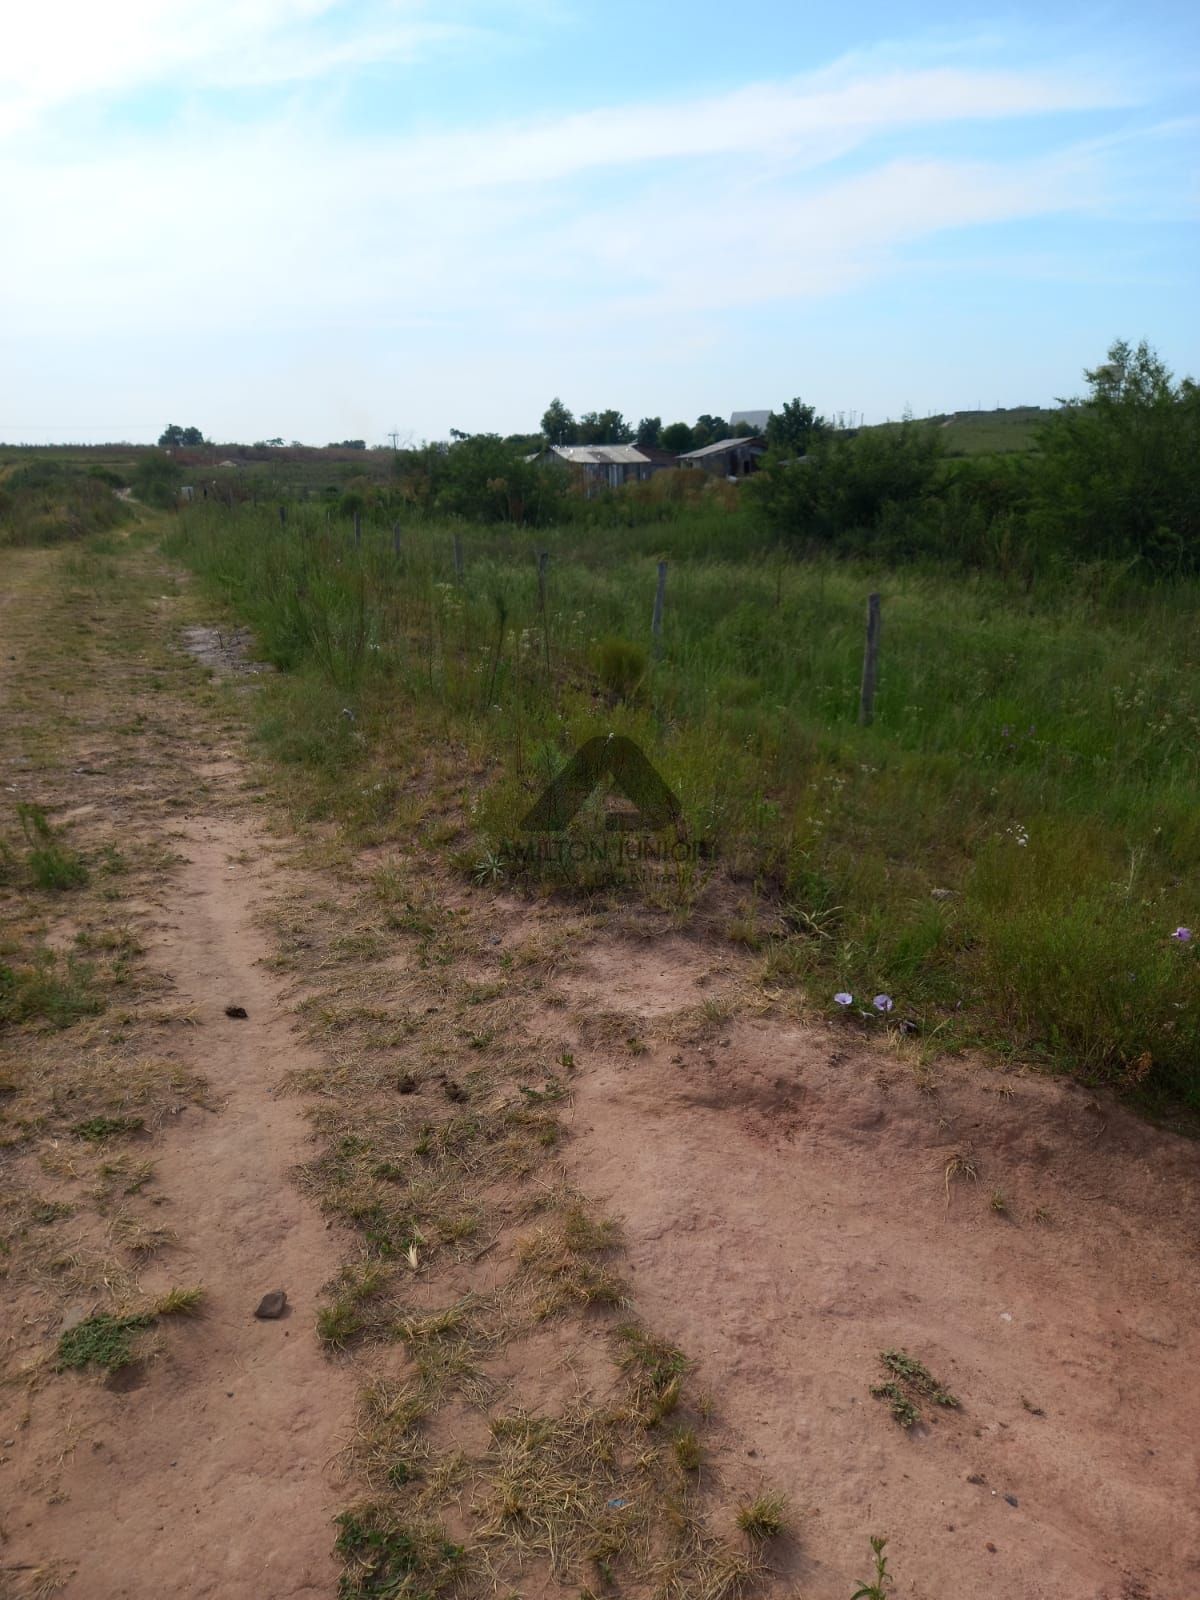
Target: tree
x=604 y=427
x=796 y=428
x=346 y=444
x=173 y=436
x=482 y=477
x=713 y=428
x=649 y=432
x=846 y=485
x=1119 y=474
x=558 y=424
x=677 y=436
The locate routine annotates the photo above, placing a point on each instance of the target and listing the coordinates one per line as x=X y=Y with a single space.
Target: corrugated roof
x=720 y=447
x=600 y=455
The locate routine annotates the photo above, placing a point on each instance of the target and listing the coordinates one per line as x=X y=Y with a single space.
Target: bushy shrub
x=156 y=480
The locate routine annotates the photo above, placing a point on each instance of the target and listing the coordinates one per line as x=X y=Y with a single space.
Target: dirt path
x=209 y=1470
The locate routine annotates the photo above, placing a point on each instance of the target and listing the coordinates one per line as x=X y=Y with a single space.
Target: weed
x=354 y=1309
x=104 y=1341
x=998 y=1203
x=763 y=1517
x=385 y=1556
x=179 y=1302
x=909 y=1383
x=658 y=1370
x=882 y=1581
x=46 y=991
x=96 y=1129
x=960 y=1165
x=688 y=1451
x=902 y=1408
x=52 y=865
x=621 y=667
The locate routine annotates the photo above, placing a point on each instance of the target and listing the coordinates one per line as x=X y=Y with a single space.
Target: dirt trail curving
x=210 y=1469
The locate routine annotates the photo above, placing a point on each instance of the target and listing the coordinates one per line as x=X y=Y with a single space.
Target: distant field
x=990 y=433
x=985 y=433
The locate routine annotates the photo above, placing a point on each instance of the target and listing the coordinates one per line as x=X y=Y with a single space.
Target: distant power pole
x=394 y=436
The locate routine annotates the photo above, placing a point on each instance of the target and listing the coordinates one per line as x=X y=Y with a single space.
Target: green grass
x=110 y=1341
x=1034 y=755
x=988 y=433
x=97 y=1129
x=102 y=1341
x=49 y=990
x=386 y=1556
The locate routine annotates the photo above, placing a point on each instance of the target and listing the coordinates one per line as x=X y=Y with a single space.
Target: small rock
x=271 y=1305
x=406 y=1084
x=976 y=1477
x=990 y=1546
x=454 y=1091
x=237 y=1012
x=1011 y=1498
x=941 y=894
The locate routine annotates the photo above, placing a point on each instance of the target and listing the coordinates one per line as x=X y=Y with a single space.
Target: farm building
x=728 y=458
x=755 y=420
x=606 y=465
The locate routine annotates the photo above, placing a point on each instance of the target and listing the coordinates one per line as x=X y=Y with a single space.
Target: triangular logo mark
x=618 y=760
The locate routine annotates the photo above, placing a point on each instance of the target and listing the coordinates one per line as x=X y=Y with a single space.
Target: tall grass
x=1034 y=754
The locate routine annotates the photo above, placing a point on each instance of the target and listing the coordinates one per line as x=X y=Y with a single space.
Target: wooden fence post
x=283 y=516
x=656 y=622
x=543 y=562
x=870 y=672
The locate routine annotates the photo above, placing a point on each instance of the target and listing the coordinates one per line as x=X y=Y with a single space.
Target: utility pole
x=394 y=436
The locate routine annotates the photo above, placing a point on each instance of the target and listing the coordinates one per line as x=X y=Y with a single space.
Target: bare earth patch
x=798 y=1202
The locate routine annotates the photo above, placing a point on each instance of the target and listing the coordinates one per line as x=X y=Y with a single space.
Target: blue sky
x=332 y=218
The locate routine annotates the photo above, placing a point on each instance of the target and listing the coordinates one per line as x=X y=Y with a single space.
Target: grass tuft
x=103 y=1340
x=763 y=1517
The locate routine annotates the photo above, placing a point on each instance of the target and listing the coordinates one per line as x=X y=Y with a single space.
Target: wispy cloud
x=290 y=221
x=56 y=55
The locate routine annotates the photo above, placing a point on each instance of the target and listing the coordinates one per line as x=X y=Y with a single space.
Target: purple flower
x=843 y=999
x=1184 y=935
x=883 y=1002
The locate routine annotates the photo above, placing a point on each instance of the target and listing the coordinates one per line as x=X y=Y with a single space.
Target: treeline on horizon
x=1114 y=476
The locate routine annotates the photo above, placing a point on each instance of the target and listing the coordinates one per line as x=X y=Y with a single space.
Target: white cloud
x=292 y=232
x=54 y=55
